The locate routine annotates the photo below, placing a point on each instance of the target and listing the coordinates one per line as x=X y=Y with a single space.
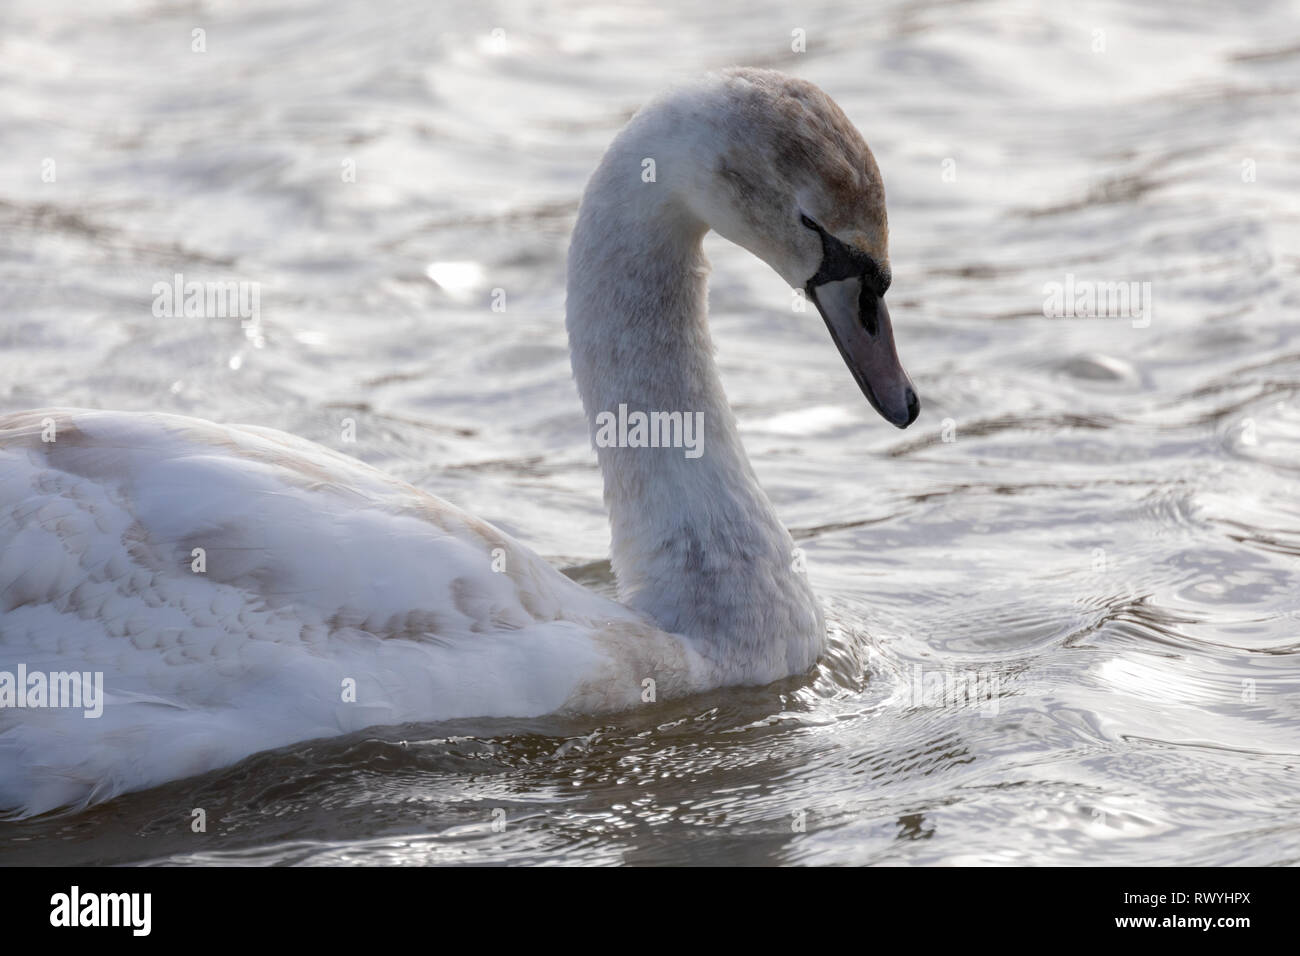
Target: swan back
x=240 y=589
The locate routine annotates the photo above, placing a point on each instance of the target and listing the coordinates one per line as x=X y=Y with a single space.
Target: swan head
x=783 y=173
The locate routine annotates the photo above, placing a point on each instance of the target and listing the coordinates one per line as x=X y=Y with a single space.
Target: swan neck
x=696 y=544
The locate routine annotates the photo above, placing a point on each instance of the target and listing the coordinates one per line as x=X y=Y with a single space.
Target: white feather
x=319 y=570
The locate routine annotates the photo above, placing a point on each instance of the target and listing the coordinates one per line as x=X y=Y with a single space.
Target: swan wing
x=240 y=589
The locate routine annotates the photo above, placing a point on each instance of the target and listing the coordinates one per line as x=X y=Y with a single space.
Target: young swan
x=176 y=595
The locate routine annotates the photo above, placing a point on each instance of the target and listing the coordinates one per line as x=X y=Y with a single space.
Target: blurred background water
x=1098 y=515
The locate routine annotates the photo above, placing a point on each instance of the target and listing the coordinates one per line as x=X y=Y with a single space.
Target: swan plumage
x=241 y=589
x=316 y=570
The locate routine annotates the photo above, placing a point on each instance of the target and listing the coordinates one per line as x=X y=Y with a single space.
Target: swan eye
x=810 y=224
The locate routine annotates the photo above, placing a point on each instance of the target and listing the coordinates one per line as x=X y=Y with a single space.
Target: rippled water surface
x=1098 y=518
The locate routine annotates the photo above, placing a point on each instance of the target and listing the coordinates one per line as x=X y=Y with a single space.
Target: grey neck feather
x=696 y=544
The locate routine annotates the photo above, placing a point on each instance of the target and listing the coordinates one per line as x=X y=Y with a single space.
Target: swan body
x=240 y=589
x=317 y=570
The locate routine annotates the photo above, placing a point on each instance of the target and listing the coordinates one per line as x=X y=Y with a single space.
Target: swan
x=219 y=590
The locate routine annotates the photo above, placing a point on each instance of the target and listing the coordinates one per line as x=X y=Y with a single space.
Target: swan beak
x=859 y=324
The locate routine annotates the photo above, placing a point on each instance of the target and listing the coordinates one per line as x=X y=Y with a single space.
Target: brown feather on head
x=811 y=141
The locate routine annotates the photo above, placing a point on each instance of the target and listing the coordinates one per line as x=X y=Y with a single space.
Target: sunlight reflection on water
x=1102 y=515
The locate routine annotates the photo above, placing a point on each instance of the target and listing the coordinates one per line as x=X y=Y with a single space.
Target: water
x=1109 y=538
